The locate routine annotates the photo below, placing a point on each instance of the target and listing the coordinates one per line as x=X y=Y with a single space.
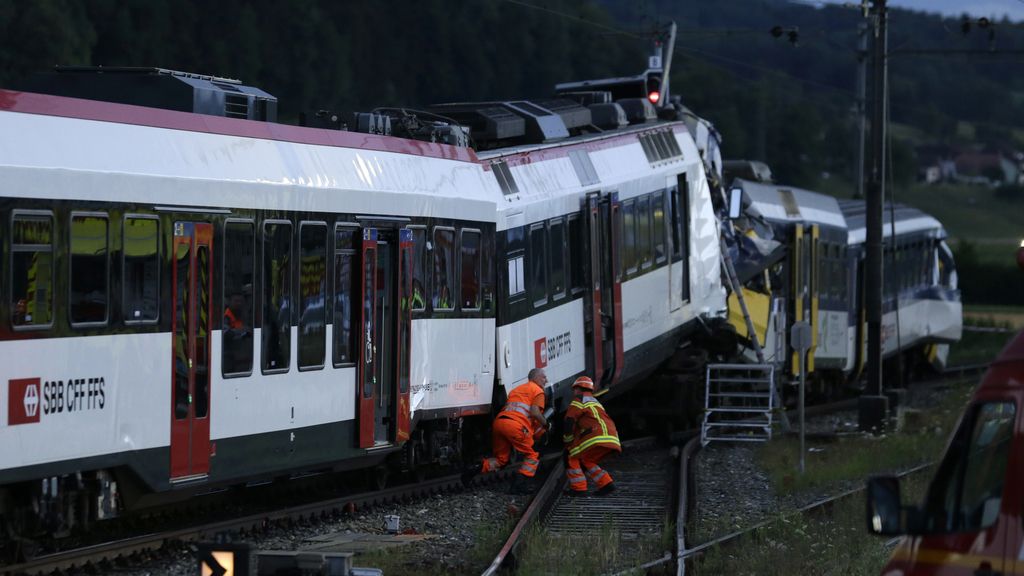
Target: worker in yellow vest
x=590 y=435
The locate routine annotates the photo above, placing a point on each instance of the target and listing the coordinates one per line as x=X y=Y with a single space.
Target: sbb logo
x=23 y=401
x=540 y=353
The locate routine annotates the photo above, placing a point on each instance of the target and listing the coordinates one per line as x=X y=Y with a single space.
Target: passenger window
x=32 y=270
x=470 y=264
x=90 y=269
x=312 y=294
x=236 y=329
x=556 y=257
x=629 y=244
x=444 y=268
x=538 y=253
x=277 y=302
x=516 y=280
x=344 y=321
x=141 y=266
x=577 y=255
x=643 y=231
x=419 y=268
x=658 y=217
x=967 y=491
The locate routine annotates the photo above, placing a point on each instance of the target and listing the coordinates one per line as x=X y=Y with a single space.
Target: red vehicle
x=971 y=519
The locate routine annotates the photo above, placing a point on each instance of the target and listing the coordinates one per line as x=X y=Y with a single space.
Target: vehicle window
x=312 y=294
x=643 y=231
x=140 y=268
x=556 y=257
x=277 y=301
x=444 y=268
x=968 y=488
x=658 y=231
x=577 y=254
x=32 y=270
x=538 y=253
x=236 y=330
x=629 y=244
x=419 y=268
x=343 y=323
x=89 y=269
x=470 y=264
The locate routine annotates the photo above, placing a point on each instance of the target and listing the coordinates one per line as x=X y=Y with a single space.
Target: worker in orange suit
x=590 y=435
x=516 y=427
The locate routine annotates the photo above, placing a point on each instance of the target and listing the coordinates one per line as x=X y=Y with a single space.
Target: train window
x=444 y=268
x=556 y=257
x=90 y=269
x=344 y=321
x=658 y=225
x=140 y=267
x=470 y=265
x=312 y=294
x=643 y=231
x=516 y=279
x=419 y=267
x=32 y=269
x=277 y=296
x=236 y=329
x=577 y=254
x=629 y=255
x=538 y=253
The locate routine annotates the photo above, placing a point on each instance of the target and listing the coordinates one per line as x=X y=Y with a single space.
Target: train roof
x=908 y=220
x=790 y=204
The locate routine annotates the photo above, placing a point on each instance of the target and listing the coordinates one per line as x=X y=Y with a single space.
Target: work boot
x=607 y=489
x=471 y=471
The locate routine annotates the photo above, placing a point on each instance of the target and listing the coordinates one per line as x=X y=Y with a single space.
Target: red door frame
x=367 y=338
x=190 y=436
x=616 y=239
x=403 y=375
x=593 y=219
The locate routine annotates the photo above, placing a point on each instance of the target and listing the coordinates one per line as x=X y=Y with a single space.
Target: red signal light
x=654 y=97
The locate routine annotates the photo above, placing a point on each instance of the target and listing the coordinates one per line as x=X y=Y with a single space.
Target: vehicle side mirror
x=735 y=203
x=884 y=507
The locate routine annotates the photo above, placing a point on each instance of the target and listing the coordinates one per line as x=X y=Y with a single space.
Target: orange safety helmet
x=584 y=382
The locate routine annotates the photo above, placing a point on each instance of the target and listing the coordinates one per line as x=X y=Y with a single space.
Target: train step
x=738 y=403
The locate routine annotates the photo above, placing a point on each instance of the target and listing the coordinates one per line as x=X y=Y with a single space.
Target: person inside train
x=516 y=427
x=590 y=435
x=234 y=314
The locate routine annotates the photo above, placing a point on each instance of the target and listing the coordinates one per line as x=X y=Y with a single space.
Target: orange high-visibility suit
x=590 y=436
x=514 y=429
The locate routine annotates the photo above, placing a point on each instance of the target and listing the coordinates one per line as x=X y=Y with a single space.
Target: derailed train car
x=196 y=296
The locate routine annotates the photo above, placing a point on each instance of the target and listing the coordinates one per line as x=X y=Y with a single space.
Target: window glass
x=516 y=280
x=277 y=305
x=236 y=329
x=577 y=254
x=658 y=227
x=538 y=253
x=444 y=268
x=629 y=244
x=141 y=269
x=32 y=270
x=556 y=257
x=643 y=231
x=89 y=272
x=344 y=256
x=419 y=268
x=968 y=488
x=312 y=294
x=201 y=362
x=470 y=293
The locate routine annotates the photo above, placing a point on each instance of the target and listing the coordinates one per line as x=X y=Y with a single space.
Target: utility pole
x=862 y=108
x=873 y=406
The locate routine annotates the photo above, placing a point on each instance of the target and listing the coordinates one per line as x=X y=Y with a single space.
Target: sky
x=955 y=8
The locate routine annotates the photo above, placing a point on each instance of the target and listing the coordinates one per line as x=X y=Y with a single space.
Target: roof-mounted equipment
x=158 y=88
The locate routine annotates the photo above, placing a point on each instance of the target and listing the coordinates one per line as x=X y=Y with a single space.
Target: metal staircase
x=738 y=403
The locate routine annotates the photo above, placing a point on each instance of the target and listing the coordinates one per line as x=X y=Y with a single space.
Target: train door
x=385 y=337
x=805 y=286
x=191 y=303
x=604 y=315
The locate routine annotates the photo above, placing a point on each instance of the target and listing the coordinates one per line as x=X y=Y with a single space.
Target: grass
x=796 y=544
x=1011 y=317
x=971 y=212
x=857 y=457
x=584 y=554
x=976 y=347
